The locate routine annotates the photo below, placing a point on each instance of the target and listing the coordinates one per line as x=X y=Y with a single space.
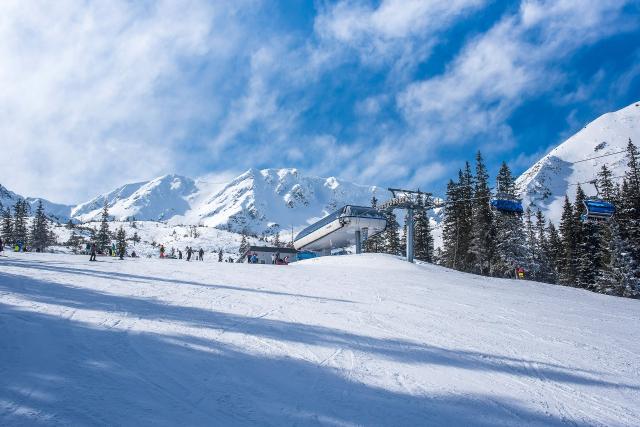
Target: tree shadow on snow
x=127 y=277
x=403 y=351
x=150 y=379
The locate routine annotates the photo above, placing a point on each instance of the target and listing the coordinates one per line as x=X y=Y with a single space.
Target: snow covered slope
x=544 y=185
x=340 y=341
x=158 y=199
x=54 y=210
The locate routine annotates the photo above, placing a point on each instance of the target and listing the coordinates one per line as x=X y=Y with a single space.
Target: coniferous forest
x=600 y=256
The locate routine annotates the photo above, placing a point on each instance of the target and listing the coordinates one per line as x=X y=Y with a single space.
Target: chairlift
x=597 y=208
x=505 y=203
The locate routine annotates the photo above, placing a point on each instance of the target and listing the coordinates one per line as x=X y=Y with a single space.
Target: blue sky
x=97 y=94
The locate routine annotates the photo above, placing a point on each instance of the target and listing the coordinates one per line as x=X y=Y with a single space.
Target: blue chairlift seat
x=506 y=204
x=598 y=210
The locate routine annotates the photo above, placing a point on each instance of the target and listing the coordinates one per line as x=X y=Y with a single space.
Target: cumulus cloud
x=94 y=93
x=498 y=70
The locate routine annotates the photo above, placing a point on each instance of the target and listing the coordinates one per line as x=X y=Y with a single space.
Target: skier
x=189 y=252
x=201 y=253
x=161 y=251
x=1 y=246
x=179 y=254
x=220 y=255
x=93 y=252
x=273 y=258
x=122 y=253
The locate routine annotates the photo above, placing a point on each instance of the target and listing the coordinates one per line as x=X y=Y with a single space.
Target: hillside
x=544 y=184
x=342 y=341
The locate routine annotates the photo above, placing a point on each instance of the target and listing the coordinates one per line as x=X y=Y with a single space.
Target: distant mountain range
x=261 y=201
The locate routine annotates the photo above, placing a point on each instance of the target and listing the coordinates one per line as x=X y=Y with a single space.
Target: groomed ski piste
x=340 y=341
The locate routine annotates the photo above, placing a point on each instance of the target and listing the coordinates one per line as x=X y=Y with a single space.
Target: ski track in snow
x=358 y=340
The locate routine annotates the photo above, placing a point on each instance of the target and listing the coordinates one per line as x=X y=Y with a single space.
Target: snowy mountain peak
x=544 y=185
x=160 y=198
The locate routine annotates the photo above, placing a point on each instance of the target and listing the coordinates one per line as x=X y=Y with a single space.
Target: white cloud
x=92 y=94
x=496 y=71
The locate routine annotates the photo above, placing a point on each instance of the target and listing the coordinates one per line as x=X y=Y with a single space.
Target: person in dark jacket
x=93 y=252
x=201 y=253
x=179 y=254
x=189 y=253
x=220 y=255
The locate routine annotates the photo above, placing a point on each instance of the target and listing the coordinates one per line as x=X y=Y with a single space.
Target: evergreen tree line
x=16 y=229
x=601 y=256
x=391 y=241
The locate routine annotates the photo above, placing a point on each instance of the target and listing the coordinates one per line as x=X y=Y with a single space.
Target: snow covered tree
x=374 y=244
x=104 y=236
x=482 y=233
x=423 y=240
x=553 y=252
x=511 y=243
x=390 y=235
x=622 y=277
x=532 y=245
x=121 y=242
x=244 y=244
x=21 y=214
x=457 y=222
x=276 y=239
x=589 y=260
x=567 y=259
x=40 y=233
x=135 y=239
x=7 y=226
x=629 y=213
x=75 y=242
x=605 y=185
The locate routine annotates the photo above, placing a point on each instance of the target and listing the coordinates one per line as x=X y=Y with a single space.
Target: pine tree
x=373 y=244
x=605 y=184
x=567 y=259
x=135 y=239
x=589 y=260
x=390 y=235
x=121 y=242
x=511 y=244
x=532 y=246
x=622 y=277
x=104 y=236
x=482 y=233
x=40 y=233
x=423 y=239
x=630 y=201
x=70 y=225
x=585 y=240
x=553 y=252
x=7 y=226
x=244 y=244
x=276 y=240
x=21 y=213
x=466 y=192
x=452 y=218
x=74 y=242
x=546 y=273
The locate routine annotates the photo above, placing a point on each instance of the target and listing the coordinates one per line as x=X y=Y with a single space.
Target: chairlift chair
x=505 y=203
x=598 y=210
